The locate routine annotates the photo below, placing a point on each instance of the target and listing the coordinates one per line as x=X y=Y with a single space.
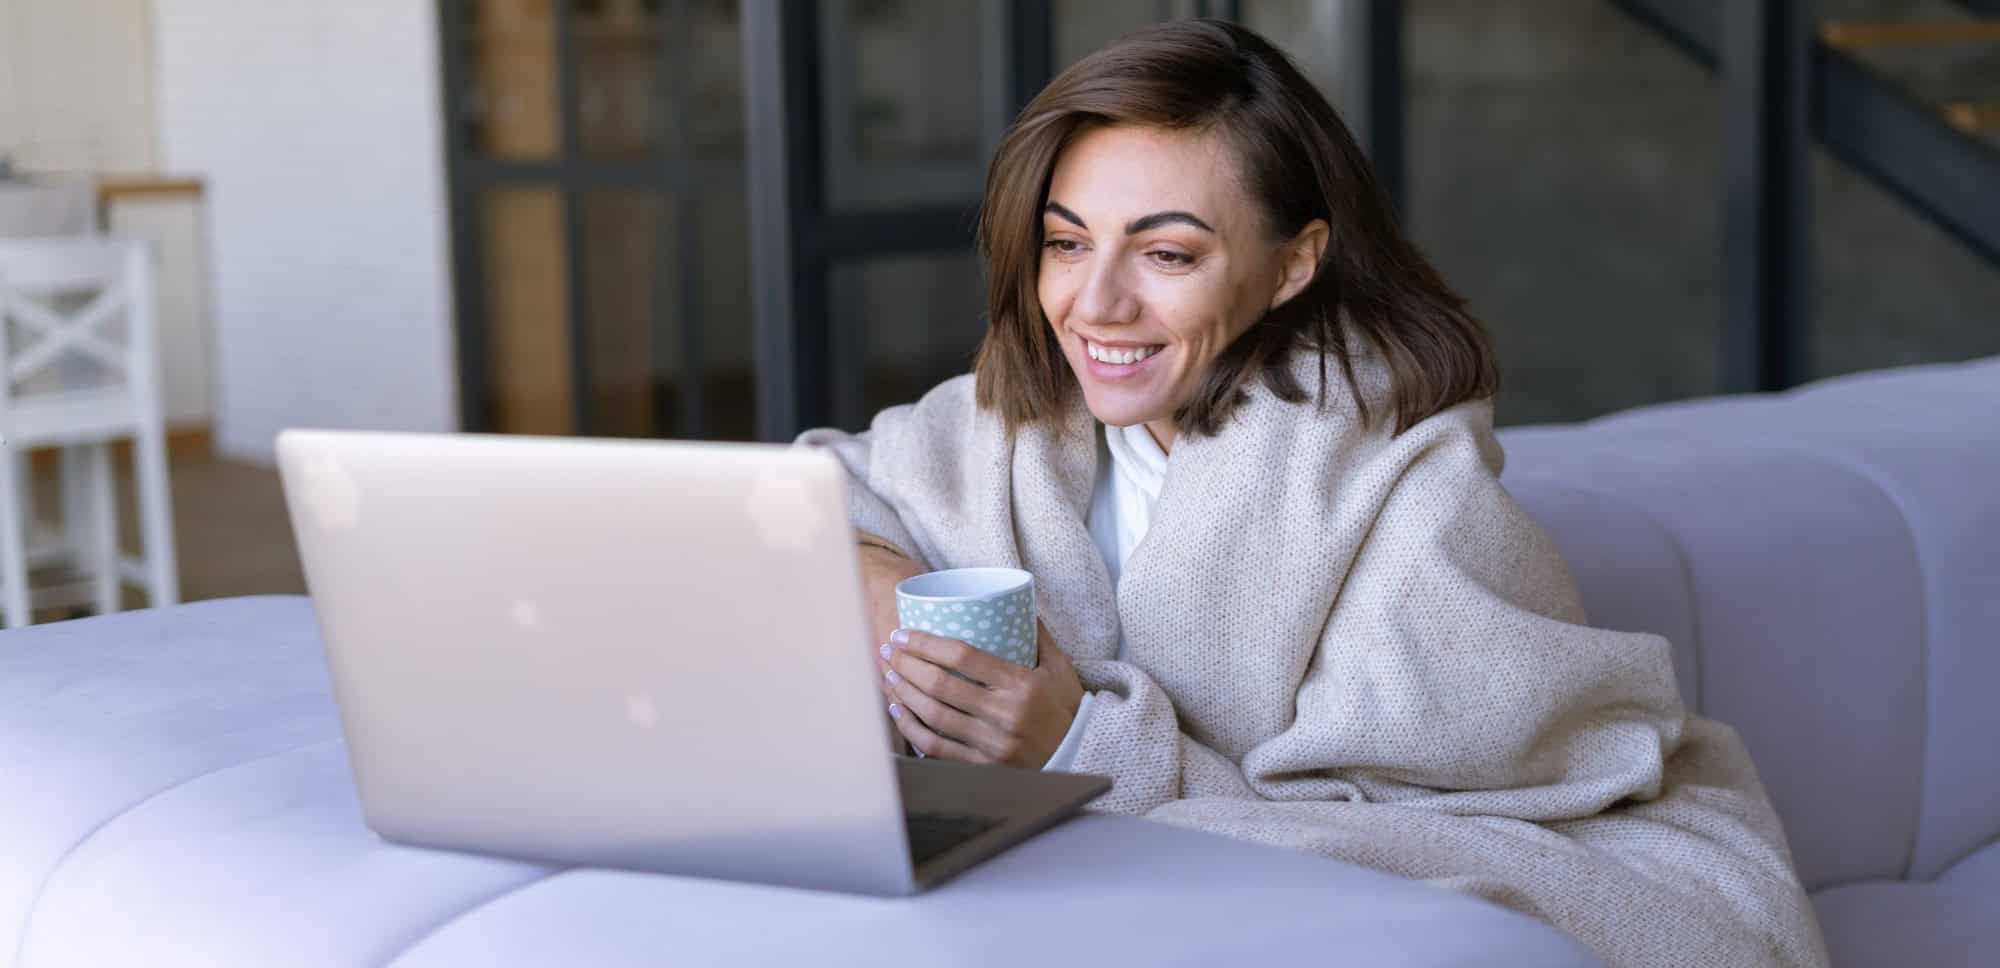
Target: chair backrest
x=1827 y=564
x=76 y=310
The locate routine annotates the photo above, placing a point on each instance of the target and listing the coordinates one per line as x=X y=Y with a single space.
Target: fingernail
x=885 y=650
x=890 y=674
x=895 y=711
x=900 y=636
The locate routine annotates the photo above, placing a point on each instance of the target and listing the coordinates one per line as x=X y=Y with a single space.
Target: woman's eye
x=1063 y=246
x=1172 y=260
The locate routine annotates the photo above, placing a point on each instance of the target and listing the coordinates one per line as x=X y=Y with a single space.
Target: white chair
x=71 y=376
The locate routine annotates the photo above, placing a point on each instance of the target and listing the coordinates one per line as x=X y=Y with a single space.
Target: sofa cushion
x=189 y=794
x=1981 y=870
x=188 y=803
x=1878 y=923
x=1806 y=616
x=88 y=745
x=1925 y=439
x=1628 y=568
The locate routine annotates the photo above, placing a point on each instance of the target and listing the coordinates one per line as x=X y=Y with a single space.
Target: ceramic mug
x=990 y=609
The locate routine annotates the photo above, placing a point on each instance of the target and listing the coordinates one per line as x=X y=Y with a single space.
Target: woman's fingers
x=919 y=694
x=954 y=654
x=915 y=662
x=928 y=742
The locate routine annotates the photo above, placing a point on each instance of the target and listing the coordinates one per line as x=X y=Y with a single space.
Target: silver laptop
x=643 y=655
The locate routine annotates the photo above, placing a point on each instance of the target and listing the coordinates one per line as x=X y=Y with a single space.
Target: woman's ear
x=1299 y=259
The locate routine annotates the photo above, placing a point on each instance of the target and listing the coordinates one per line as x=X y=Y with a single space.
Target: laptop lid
x=647 y=655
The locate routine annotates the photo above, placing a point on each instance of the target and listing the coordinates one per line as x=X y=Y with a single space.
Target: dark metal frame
x=1032 y=49
x=1779 y=84
x=475 y=401
x=1695 y=26
x=579 y=295
x=1780 y=81
x=795 y=388
x=1906 y=147
x=572 y=175
x=1386 y=99
x=1764 y=196
x=800 y=242
x=683 y=236
x=804 y=193
x=772 y=219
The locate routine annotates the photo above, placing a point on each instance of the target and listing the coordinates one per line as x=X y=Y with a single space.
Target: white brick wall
x=317 y=127
x=76 y=85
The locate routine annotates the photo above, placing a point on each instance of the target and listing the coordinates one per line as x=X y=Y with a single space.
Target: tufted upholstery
x=1827 y=564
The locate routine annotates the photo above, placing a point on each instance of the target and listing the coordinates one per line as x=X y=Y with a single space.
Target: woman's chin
x=1114 y=410
x=1120 y=403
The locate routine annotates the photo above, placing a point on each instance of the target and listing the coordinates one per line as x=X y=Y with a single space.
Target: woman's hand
x=1017 y=718
x=881 y=570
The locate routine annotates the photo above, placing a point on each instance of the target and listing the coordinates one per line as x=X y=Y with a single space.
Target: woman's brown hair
x=1298 y=161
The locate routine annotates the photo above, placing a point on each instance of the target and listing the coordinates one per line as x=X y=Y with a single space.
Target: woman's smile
x=1119 y=362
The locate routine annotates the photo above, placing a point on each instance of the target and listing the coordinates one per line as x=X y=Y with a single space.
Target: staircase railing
x=1784 y=81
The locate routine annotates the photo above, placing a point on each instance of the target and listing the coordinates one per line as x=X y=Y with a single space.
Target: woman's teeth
x=1104 y=354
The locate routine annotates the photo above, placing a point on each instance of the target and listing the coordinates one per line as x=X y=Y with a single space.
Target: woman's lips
x=1117 y=372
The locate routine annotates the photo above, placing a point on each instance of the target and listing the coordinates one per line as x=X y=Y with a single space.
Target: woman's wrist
x=866 y=540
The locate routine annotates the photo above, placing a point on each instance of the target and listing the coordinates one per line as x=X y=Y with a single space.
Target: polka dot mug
x=990 y=609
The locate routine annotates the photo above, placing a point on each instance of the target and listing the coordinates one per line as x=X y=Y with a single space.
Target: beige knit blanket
x=1358 y=644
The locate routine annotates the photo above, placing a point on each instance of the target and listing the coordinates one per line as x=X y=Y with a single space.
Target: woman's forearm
x=882 y=567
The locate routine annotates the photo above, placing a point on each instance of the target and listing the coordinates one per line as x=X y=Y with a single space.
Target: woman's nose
x=1104 y=298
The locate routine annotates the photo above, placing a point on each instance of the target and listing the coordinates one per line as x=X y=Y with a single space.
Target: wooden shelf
x=113 y=189
x=1972 y=116
x=1916 y=33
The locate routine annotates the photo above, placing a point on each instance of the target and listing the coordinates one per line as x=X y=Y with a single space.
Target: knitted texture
x=1357 y=644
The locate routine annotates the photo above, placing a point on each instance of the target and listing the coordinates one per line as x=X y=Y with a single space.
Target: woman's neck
x=1163 y=434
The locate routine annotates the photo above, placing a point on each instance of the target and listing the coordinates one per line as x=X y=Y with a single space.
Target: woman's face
x=1153 y=260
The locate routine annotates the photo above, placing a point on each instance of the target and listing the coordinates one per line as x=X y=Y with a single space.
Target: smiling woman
x=1313 y=619
x=1144 y=305
x=1236 y=221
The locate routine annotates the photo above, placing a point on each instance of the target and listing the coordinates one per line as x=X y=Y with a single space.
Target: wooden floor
x=229 y=522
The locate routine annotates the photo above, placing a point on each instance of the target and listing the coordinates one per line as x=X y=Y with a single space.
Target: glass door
x=872 y=122
x=596 y=157
x=739 y=219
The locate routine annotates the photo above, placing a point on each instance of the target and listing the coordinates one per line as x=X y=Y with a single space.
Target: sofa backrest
x=1826 y=563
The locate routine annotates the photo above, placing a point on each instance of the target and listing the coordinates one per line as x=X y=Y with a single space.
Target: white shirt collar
x=1137 y=457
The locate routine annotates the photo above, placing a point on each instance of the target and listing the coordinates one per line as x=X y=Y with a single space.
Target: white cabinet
x=171 y=214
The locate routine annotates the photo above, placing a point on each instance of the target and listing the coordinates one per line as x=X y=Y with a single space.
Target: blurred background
x=735 y=219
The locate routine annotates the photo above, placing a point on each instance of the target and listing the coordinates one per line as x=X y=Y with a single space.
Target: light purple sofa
x=173 y=790
x=1827 y=564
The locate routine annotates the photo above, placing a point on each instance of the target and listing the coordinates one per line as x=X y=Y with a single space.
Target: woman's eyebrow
x=1056 y=209
x=1137 y=225
x=1158 y=219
